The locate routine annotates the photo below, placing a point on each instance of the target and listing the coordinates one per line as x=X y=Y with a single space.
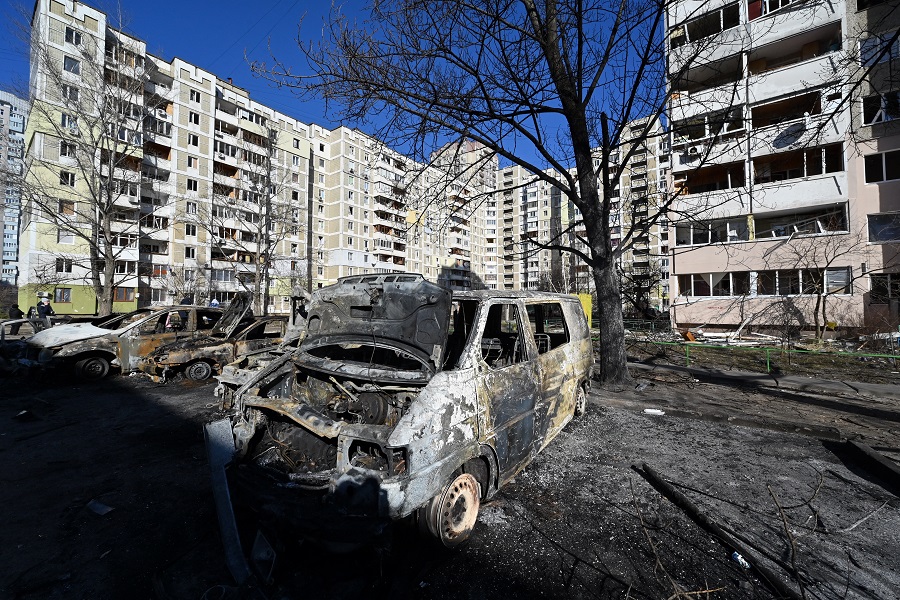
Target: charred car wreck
x=235 y=334
x=117 y=341
x=402 y=400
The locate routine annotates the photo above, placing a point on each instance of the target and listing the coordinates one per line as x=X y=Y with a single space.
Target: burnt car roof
x=403 y=308
x=512 y=294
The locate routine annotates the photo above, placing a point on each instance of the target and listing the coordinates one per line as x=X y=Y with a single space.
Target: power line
x=240 y=37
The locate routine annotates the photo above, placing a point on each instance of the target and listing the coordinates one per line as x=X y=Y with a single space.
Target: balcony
x=797 y=78
x=793 y=20
x=159 y=89
x=225 y=159
x=157 y=162
x=800 y=132
x=819 y=190
x=226 y=180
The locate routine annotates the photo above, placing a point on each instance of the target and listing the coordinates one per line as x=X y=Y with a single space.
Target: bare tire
x=92 y=368
x=580 y=401
x=451 y=515
x=199 y=371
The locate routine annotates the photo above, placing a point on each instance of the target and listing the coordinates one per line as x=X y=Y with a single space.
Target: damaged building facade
x=782 y=214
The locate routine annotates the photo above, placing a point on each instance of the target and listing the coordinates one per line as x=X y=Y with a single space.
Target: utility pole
x=309 y=225
x=263 y=259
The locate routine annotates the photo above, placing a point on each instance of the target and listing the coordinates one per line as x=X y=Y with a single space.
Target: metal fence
x=768 y=352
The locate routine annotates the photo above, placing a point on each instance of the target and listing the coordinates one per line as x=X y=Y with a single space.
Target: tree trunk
x=613 y=358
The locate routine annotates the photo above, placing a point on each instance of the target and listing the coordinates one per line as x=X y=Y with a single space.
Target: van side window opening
x=503 y=341
x=549 y=326
x=462 y=317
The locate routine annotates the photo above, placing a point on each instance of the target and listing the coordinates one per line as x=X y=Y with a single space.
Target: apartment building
x=13 y=116
x=211 y=184
x=377 y=211
x=769 y=222
x=641 y=163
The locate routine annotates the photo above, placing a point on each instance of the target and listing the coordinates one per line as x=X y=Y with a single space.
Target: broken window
x=881 y=108
x=809 y=222
x=884 y=166
x=549 y=326
x=502 y=341
x=884 y=227
x=705 y=25
x=790 y=109
x=885 y=287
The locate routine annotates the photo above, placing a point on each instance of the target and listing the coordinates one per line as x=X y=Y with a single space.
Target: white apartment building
x=13 y=116
x=642 y=164
x=768 y=220
x=209 y=164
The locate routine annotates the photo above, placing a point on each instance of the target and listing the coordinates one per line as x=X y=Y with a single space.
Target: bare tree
x=251 y=215
x=542 y=85
x=83 y=173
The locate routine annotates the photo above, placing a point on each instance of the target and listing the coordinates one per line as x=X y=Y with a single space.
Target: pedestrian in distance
x=44 y=309
x=15 y=313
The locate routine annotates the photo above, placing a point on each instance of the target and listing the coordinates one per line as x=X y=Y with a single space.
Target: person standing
x=15 y=313
x=44 y=309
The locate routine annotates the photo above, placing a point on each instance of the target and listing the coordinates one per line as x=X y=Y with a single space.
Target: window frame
x=883 y=159
x=71 y=65
x=126 y=293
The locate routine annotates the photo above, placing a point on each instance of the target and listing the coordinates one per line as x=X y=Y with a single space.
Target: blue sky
x=212 y=34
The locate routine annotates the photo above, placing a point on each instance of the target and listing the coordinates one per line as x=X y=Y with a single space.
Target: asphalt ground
x=106 y=494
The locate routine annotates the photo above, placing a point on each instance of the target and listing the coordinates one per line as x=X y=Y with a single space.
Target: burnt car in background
x=119 y=341
x=237 y=333
x=402 y=400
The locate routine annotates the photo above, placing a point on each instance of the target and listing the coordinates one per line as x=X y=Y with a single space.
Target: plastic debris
x=654 y=411
x=99 y=508
x=736 y=557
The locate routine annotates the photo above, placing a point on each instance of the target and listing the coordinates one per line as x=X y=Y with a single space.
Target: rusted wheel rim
x=580 y=401
x=199 y=371
x=458 y=510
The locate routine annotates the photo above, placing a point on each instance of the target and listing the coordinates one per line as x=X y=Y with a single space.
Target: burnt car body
x=117 y=341
x=402 y=400
x=237 y=333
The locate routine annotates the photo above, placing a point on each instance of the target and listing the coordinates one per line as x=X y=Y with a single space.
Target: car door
x=558 y=382
x=161 y=328
x=508 y=386
x=262 y=333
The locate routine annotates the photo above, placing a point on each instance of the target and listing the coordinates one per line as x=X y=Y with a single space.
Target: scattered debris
x=654 y=411
x=26 y=416
x=99 y=508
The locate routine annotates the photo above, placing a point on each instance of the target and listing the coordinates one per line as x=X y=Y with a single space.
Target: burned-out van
x=403 y=399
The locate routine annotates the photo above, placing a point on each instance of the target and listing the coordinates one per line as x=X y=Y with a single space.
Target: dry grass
x=831 y=365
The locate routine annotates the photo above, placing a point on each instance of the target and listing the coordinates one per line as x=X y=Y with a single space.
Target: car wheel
x=451 y=515
x=92 y=368
x=580 y=401
x=199 y=371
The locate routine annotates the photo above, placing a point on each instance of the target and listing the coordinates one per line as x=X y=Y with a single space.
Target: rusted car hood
x=65 y=334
